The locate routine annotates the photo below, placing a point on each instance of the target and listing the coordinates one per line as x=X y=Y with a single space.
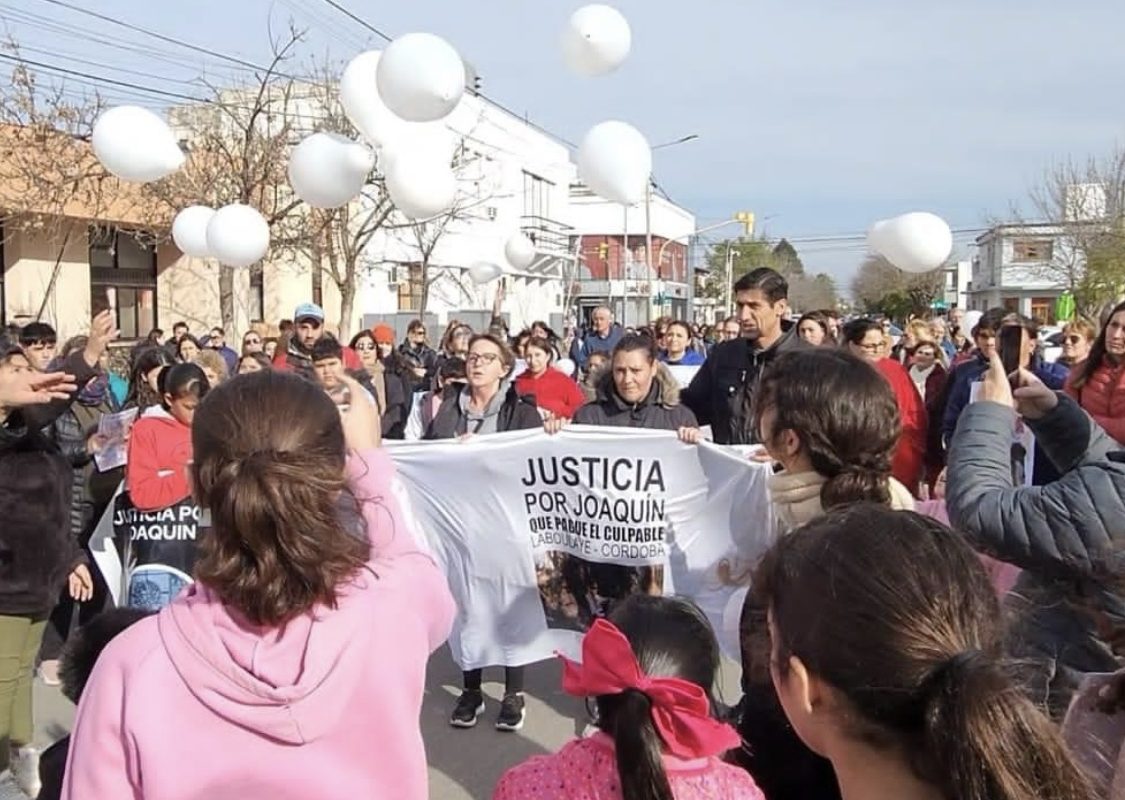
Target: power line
x=359 y=20
x=162 y=37
x=111 y=81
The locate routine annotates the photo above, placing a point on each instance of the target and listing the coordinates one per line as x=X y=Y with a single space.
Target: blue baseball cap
x=308 y=311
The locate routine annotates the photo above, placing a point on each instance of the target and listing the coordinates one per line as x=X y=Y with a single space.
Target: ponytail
x=627 y=717
x=984 y=739
x=856 y=485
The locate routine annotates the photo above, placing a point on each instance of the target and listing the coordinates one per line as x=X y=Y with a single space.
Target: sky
x=819 y=116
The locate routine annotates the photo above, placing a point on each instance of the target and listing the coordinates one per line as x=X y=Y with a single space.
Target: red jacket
x=1102 y=396
x=159 y=452
x=911 y=451
x=552 y=391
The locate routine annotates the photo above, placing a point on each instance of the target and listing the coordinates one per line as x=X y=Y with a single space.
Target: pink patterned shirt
x=585 y=769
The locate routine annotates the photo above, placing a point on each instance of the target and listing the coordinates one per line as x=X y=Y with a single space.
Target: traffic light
x=603 y=251
x=747 y=220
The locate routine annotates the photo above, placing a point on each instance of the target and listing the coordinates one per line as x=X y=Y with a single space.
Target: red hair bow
x=681 y=711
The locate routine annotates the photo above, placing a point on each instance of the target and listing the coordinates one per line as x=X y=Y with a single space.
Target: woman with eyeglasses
x=1077 y=339
x=386 y=387
x=488 y=403
x=251 y=343
x=865 y=338
x=1098 y=384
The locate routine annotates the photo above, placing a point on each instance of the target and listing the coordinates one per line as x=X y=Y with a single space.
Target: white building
x=958 y=279
x=1020 y=267
x=615 y=266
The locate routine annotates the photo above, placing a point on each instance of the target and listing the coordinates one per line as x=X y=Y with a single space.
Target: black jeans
x=513 y=679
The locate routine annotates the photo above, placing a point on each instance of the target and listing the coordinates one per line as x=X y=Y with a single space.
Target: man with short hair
x=39 y=343
x=729 y=329
x=218 y=342
x=603 y=336
x=308 y=329
x=721 y=393
x=172 y=346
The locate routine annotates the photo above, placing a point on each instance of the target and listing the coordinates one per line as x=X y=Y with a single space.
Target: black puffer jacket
x=518 y=413
x=661 y=410
x=721 y=393
x=37 y=550
x=1067 y=536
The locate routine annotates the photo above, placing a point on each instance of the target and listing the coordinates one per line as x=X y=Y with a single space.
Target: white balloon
x=876 y=235
x=189 y=230
x=238 y=235
x=135 y=144
x=520 y=251
x=615 y=161
x=565 y=366
x=483 y=272
x=915 y=242
x=970 y=321
x=423 y=140
x=360 y=98
x=596 y=41
x=420 y=187
x=420 y=77
x=327 y=170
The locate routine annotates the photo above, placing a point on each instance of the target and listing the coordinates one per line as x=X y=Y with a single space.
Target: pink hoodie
x=195 y=702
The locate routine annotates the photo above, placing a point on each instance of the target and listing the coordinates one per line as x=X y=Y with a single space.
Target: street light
x=691 y=137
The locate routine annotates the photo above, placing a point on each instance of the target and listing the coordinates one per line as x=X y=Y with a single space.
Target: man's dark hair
x=285 y=325
x=180 y=326
x=990 y=322
x=327 y=347
x=768 y=281
x=37 y=333
x=155 y=334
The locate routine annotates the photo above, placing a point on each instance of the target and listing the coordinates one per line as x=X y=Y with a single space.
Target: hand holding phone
x=1011 y=351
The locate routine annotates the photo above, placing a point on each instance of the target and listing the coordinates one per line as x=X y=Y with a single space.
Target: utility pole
x=731 y=253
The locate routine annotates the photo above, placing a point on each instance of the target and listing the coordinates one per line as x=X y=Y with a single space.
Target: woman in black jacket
x=37 y=553
x=487 y=404
x=637 y=391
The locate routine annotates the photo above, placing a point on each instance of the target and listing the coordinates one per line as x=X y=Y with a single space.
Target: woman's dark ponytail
x=640 y=763
x=983 y=738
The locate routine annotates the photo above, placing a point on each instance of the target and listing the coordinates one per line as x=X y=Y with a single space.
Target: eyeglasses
x=870 y=348
x=1072 y=339
x=362 y=346
x=482 y=358
x=247 y=341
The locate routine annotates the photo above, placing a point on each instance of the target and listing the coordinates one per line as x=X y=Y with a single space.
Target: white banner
x=538 y=534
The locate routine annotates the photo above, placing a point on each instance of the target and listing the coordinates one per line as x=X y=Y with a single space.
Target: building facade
x=615 y=267
x=1021 y=268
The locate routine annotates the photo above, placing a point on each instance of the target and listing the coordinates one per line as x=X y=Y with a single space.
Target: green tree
x=806 y=292
x=882 y=288
x=786 y=260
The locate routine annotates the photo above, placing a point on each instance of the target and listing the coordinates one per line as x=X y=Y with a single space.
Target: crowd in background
x=897 y=681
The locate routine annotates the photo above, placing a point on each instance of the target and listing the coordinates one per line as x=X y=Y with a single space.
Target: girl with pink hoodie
x=294 y=667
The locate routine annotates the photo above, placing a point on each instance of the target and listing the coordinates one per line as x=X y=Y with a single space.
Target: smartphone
x=1011 y=349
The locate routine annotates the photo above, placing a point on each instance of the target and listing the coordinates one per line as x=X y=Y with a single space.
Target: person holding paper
x=160 y=444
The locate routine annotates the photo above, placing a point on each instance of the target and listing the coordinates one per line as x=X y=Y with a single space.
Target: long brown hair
x=1097 y=352
x=844 y=414
x=269 y=467
x=896 y=613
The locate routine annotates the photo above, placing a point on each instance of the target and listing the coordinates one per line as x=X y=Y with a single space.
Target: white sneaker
x=49 y=672
x=25 y=769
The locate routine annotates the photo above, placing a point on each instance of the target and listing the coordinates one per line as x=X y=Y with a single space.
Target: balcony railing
x=550 y=236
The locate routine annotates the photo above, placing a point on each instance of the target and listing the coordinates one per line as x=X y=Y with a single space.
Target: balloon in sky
x=915 y=242
x=520 y=251
x=189 y=230
x=327 y=170
x=421 y=187
x=483 y=272
x=432 y=141
x=359 y=95
x=238 y=235
x=135 y=144
x=615 y=161
x=420 y=77
x=596 y=40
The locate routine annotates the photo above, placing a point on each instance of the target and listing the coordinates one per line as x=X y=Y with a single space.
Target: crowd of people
x=876 y=661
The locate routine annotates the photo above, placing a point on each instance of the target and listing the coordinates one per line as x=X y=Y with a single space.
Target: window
x=1025 y=251
x=536 y=196
x=410 y=290
x=1042 y=310
x=123 y=275
x=256 y=304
